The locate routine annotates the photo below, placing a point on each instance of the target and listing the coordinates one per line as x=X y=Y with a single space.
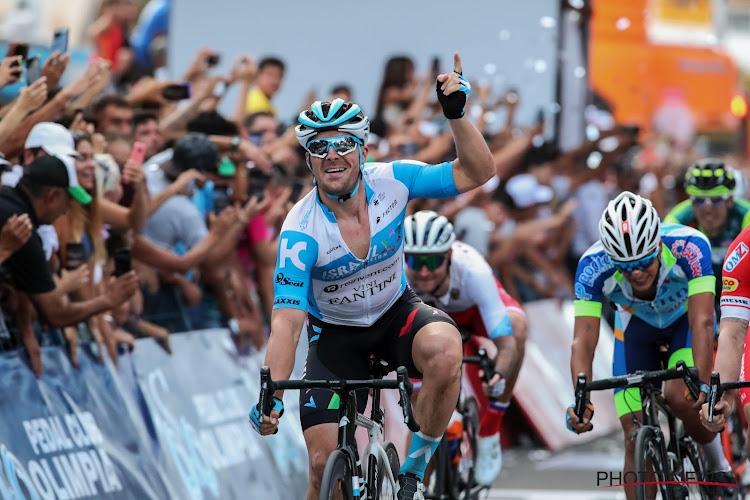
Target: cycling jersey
x=316 y=271
x=685 y=270
x=738 y=218
x=735 y=281
x=472 y=285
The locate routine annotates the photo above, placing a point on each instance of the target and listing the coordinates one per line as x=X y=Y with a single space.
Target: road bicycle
x=673 y=459
x=343 y=476
x=453 y=470
x=733 y=436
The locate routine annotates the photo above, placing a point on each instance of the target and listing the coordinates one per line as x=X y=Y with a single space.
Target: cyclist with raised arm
x=455 y=278
x=712 y=210
x=340 y=271
x=660 y=278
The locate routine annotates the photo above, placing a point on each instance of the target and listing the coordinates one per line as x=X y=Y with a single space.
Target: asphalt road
x=568 y=474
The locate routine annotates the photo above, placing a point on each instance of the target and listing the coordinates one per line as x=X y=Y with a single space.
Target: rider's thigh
x=321 y=440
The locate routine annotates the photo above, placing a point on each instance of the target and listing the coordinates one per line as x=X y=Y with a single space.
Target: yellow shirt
x=258 y=102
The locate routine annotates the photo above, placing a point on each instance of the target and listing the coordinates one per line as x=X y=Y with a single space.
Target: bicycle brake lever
x=715 y=394
x=265 y=382
x=580 y=392
x=405 y=388
x=689 y=376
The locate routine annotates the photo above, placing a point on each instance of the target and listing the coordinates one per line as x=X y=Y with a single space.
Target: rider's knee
x=443 y=353
x=318 y=459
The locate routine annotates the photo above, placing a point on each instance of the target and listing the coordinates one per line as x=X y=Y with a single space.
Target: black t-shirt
x=28 y=265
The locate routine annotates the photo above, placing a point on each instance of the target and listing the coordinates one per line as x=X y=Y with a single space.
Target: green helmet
x=709 y=177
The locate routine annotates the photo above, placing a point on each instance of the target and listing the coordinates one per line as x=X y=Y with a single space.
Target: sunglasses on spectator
x=713 y=201
x=637 y=265
x=416 y=262
x=343 y=145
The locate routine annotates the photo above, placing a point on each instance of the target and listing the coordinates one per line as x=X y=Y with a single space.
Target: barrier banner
x=198 y=400
x=71 y=434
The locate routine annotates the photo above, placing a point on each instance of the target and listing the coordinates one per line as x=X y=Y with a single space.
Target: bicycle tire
x=693 y=469
x=337 y=476
x=395 y=464
x=464 y=475
x=649 y=447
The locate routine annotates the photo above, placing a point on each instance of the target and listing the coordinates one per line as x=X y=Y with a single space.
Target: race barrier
x=156 y=427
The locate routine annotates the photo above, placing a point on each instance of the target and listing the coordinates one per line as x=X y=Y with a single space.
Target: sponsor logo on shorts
x=735 y=257
x=729 y=284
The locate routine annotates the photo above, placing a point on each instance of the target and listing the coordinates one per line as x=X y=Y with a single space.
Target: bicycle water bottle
x=454 y=434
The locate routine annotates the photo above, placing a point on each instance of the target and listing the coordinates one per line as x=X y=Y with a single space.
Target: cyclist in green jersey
x=712 y=210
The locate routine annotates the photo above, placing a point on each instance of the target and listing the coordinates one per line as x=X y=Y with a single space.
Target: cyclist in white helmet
x=455 y=278
x=660 y=278
x=340 y=271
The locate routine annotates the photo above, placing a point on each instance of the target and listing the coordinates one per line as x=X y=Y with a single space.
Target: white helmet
x=629 y=228
x=427 y=232
x=345 y=117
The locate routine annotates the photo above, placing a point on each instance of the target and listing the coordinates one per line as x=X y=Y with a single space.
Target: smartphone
x=122 y=261
x=213 y=60
x=33 y=70
x=18 y=49
x=540 y=115
x=221 y=198
x=74 y=256
x=176 y=92
x=139 y=152
x=60 y=40
x=435 y=65
x=220 y=89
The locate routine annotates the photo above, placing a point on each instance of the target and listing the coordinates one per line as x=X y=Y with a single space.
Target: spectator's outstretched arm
x=508 y=158
x=156 y=256
x=50 y=110
x=474 y=165
x=232 y=234
x=179 y=186
x=55 y=307
x=135 y=216
x=29 y=99
x=244 y=70
x=15 y=233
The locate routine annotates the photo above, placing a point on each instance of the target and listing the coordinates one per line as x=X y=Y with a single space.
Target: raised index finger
x=457 y=66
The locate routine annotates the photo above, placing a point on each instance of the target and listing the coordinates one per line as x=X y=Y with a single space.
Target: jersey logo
x=735 y=257
x=729 y=284
x=291 y=253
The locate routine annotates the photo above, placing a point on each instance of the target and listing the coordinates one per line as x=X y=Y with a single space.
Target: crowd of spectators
x=105 y=241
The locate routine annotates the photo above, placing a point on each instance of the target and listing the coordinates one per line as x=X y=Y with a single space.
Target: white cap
x=526 y=191
x=53 y=138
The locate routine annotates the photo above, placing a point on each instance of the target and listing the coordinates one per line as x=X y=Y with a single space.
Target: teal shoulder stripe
x=682 y=213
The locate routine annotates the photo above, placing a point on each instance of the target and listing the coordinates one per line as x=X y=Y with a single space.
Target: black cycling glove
x=453 y=104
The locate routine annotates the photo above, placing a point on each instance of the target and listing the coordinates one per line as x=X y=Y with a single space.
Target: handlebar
x=486 y=363
x=268 y=387
x=717 y=389
x=638 y=379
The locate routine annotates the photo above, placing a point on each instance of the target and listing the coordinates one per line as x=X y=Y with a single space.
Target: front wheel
x=384 y=488
x=693 y=470
x=651 y=464
x=337 y=478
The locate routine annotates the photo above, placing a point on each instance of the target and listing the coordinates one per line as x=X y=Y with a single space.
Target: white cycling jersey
x=316 y=271
x=472 y=284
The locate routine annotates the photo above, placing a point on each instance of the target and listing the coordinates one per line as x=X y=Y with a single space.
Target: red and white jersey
x=735 y=279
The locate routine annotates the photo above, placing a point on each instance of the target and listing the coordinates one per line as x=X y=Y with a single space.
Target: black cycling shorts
x=343 y=352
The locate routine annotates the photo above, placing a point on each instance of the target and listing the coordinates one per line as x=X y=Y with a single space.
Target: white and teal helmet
x=346 y=117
